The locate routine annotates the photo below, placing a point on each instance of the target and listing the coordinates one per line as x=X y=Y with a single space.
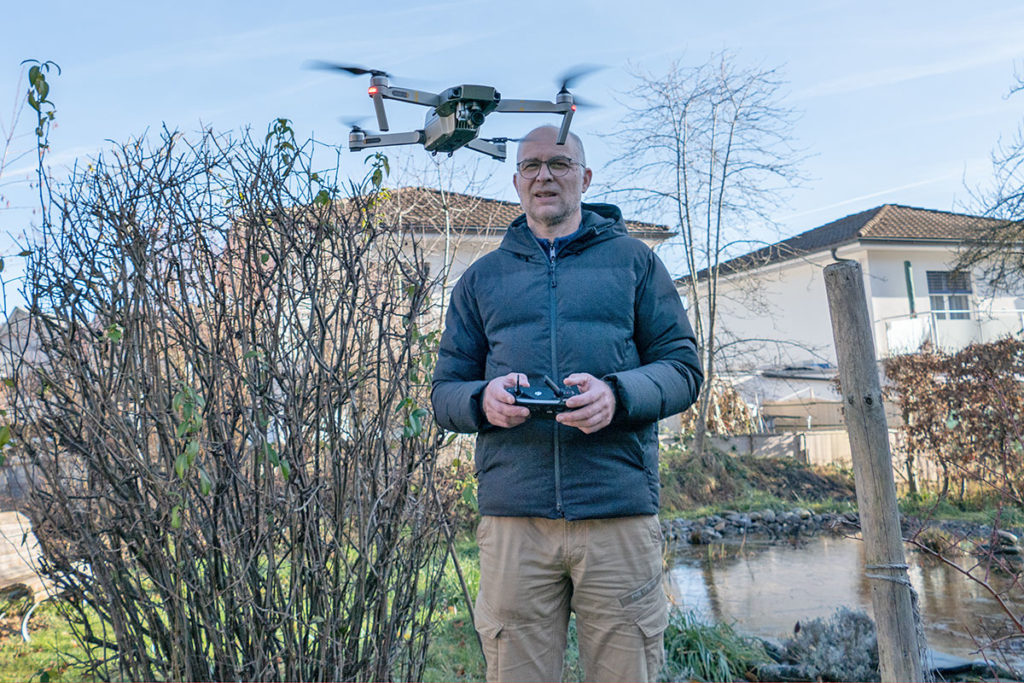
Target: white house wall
x=783 y=310
x=791 y=308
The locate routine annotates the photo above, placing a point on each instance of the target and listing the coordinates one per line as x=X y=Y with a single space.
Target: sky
x=898 y=102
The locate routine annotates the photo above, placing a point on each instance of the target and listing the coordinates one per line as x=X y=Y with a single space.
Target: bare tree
x=711 y=147
x=236 y=468
x=996 y=250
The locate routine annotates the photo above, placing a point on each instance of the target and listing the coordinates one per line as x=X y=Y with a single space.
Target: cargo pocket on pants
x=652 y=624
x=489 y=630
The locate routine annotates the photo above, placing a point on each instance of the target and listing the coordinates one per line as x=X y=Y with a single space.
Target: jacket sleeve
x=458 y=382
x=669 y=377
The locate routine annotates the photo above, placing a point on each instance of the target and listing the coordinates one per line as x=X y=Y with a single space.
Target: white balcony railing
x=907 y=333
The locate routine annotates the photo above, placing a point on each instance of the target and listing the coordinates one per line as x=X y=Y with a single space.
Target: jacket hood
x=600 y=222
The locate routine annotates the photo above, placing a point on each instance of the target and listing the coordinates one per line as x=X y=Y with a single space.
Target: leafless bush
x=236 y=471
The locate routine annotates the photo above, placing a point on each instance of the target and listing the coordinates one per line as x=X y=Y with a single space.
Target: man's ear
x=587 y=176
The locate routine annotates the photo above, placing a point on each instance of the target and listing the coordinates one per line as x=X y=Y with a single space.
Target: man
x=569 y=504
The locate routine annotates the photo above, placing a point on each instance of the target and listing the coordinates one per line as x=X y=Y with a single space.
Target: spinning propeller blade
x=576 y=73
x=347 y=68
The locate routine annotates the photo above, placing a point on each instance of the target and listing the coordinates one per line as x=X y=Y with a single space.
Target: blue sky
x=900 y=102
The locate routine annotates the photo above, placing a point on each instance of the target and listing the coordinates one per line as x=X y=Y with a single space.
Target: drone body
x=454 y=116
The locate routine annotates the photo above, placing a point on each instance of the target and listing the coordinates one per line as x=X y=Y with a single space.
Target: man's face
x=548 y=200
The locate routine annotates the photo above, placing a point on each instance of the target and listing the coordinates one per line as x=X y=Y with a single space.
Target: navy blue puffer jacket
x=604 y=305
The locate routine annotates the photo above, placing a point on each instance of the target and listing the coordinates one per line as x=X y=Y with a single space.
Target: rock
x=708 y=535
x=803 y=513
x=1006 y=538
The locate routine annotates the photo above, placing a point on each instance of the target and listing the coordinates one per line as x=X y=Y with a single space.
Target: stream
x=764 y=589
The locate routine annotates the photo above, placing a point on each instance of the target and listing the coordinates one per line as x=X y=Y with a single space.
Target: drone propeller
x=353 y=123
x=575 y=74
x=347 y=68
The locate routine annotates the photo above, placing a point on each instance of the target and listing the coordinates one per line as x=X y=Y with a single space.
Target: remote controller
x=545 y=400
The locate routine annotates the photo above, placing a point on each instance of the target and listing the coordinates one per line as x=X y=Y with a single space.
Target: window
x=950 y=294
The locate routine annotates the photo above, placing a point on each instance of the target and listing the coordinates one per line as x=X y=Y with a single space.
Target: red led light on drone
x=372 y=90
x=574 y=107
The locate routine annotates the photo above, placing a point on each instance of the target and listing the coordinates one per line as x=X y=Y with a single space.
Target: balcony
x=948 y=330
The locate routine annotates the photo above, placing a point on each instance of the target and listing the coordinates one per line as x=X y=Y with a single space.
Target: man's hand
x=593 y=408
x=499 y=406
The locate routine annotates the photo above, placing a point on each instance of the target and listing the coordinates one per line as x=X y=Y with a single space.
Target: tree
x=996 y=252
x=711 y=146
x=237 y=477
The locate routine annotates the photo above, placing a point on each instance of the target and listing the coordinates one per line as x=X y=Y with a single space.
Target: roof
x=422 y=208
x=887 y=223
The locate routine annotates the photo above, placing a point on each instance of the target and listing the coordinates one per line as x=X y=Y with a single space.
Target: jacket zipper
x=552 y=284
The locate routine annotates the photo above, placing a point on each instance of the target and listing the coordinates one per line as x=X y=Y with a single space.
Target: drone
x=455 y=115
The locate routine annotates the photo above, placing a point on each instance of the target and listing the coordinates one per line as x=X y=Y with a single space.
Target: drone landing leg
x=563 y=132
x=378 y=105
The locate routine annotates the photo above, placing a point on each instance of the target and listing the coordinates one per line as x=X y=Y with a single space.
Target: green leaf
x=25 y=252
x=191 y=451
x=33 y=74
x=115 y=332
x=205 y=484
x=264 y=258
x=176 y=517
x=468 y=498
x=286 y=470
x=180 y=463
x=271 y=454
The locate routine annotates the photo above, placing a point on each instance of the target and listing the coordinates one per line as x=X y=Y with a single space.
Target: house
x=915 y=296
x=456 y=229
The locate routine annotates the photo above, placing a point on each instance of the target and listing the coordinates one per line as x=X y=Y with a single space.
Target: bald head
x=552 y=202
x=573 y=143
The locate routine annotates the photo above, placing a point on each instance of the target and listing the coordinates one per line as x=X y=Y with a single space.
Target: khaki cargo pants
x=534 y=571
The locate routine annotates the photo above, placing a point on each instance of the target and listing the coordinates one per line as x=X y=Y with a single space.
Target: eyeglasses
x=558 y=166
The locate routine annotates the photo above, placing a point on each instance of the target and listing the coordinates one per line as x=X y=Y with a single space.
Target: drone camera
x=473 y=113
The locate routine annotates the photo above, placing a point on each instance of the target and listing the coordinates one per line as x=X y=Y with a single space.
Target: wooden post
x=899 y=651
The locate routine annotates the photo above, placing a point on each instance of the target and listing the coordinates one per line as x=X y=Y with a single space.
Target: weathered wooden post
x=899 y=650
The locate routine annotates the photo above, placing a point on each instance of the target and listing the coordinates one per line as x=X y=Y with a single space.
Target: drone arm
x=533 y=106
x=414 y=137
x=427 y=99
x=496 y=150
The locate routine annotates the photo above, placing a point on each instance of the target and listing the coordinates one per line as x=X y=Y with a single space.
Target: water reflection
x=765 y=589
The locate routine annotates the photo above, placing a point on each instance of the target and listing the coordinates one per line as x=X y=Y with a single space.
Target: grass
x=698 y=651
x=454 y=653
x=48 y=655
x=972 y=509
